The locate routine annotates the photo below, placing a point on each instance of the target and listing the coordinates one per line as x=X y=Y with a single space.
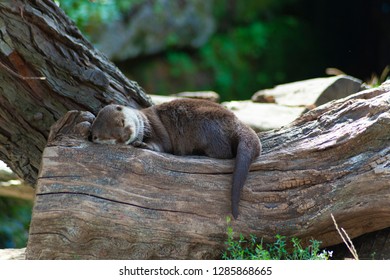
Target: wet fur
x=183 y=127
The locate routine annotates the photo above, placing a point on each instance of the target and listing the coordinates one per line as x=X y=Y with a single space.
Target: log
x=120 y=202
x=47 y=68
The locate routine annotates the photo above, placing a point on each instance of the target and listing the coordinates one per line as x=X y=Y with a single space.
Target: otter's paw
x=140 y=144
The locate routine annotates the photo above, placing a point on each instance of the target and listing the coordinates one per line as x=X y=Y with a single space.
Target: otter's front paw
x=140 y=144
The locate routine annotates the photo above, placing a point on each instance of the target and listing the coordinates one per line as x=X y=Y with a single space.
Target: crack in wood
x=51 y=233
x=119 y=202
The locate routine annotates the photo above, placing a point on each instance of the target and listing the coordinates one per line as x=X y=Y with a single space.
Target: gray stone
x=285 y=103
x=207 y=95
x=261 y=116
x=308 y=93
x=152 y=26
x=158 y=99
x=13 y=254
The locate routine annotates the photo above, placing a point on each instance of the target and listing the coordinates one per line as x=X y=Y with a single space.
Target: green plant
x=15 y=216
x=254 y=249
x=255 y=46
x=88 y=14
x=243 y=58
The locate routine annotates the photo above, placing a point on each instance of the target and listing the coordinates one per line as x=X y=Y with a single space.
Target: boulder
x=152 y=26
x=309 y=93
x=13 y=254
x=261 y=116
x=158 y=99
x=207 y=95
x=279 y=106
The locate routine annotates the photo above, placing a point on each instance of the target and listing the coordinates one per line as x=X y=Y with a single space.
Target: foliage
x=247 y=53
x=251 y=57
x=15 y=216
x=377 y=80
x=253 y=249
x=255 y=46
x=89 y=13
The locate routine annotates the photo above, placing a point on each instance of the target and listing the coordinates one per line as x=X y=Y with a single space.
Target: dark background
x=353 y=36
x=300 y=40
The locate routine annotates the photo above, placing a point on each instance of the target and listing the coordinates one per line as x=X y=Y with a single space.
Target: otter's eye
x=119 y=108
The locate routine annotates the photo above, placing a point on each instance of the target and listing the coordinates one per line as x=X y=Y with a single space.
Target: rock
x=310 y=92
x=262 y=117
x=13 y=254
x=259 y=116
x=277 y=107
x=158 y=99
x=152 y=26
x=207 y=95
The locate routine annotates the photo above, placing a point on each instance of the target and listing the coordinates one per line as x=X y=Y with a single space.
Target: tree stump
x=119 y=202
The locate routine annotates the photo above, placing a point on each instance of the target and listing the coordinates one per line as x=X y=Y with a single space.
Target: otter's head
x=117 y=124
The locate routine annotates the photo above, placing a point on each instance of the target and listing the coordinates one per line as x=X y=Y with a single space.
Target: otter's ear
x=123 y=122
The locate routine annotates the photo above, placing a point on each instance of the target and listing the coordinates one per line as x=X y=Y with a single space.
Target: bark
x=120 y=202
x=47 y=68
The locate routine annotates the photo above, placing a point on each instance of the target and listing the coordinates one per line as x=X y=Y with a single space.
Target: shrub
x=254 y=249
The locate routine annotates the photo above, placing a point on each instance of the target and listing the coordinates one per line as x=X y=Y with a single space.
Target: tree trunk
x=120 y=202
x=46 y=69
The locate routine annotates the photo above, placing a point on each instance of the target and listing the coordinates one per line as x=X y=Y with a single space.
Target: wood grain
x=39 y=40
x=120 y=202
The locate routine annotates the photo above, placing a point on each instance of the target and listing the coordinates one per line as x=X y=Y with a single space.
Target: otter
x=183 y=127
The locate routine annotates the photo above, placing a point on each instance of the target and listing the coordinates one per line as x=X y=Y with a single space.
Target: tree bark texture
x=120 y=202
x=46 y=69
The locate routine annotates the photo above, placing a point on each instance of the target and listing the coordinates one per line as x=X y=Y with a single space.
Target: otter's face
x=115 y=124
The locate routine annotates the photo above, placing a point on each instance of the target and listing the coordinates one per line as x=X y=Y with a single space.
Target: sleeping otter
x=183 y=127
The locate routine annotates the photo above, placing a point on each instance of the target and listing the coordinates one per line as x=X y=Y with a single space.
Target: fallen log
x=120 y=202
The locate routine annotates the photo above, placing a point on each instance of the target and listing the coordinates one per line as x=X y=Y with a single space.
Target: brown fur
x=184 y=127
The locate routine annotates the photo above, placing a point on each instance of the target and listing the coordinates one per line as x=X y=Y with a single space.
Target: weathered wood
x=47 y=68
x=120 y=202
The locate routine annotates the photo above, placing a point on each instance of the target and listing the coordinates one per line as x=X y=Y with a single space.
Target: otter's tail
x=248 y=149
